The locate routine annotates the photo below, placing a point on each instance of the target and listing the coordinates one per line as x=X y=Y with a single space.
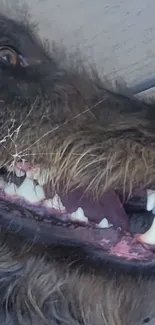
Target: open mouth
x=124 y=229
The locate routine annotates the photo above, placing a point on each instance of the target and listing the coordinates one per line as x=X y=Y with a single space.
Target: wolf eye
x=9 y=56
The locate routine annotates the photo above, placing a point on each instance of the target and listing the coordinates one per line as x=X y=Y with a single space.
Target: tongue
x=108 y=206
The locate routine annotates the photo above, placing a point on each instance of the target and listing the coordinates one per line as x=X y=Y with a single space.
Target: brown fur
x=85 y=135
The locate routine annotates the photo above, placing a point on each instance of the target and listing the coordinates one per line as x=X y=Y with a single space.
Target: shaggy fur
x=58 y=115
x=37 y=288
x=86 y=135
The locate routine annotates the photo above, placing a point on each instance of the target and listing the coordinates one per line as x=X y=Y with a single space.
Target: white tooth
x=30 y=192
x=54 y=203
x=149 y=236
x=57 y=204
x=48 y=203
x=150 y=200
x=29 y=174
x=11 y=189
x=19 y=172
x=36 y=173
x=78 y=215
x=33 y=173
x=104 y=224
x=39 y=192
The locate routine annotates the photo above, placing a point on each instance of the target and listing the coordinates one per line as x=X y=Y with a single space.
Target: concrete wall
x=117 y=35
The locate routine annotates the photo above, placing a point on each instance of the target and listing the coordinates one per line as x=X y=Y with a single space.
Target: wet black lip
x=140 y=221
x=24 y=221
x=19 y=221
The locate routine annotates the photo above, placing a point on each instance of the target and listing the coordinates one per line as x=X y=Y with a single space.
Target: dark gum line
x=79 y=233
x=20 y=221
x=35 y=235
x=50 y=216
x=26 y=218
x=40 y=213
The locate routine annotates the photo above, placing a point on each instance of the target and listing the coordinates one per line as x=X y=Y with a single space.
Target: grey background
x=116 y=35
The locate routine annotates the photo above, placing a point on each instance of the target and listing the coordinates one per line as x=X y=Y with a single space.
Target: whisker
x=30 y=111
x=59 y=126
x=52 y=153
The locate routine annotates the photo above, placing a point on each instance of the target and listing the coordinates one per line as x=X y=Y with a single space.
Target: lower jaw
x=49 y=226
